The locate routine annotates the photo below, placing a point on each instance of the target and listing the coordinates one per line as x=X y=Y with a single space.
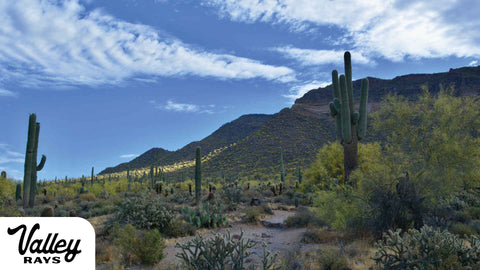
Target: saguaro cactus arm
x=362 y=121
x=42 y=163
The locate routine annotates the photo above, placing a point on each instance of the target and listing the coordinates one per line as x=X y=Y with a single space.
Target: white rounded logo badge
x=46 y=243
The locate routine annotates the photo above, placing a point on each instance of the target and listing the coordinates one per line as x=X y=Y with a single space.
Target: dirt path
x=278 y=239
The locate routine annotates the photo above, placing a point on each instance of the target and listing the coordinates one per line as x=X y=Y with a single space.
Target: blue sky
x=112 y=79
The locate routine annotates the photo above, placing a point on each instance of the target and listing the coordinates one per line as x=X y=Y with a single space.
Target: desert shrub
x=462 y=229
x=475 y=226
x=302 y=218
x=255 y=213
x=215 y=253
x=339 y=206
x=332 y=260
x=139 y=245
x=319 y=235
x=207 y=215
x=10 y=211
x=145 y=212
x=232 y=194
x=7 y=188
x=101 y=210
x=87 y=197
x=427 y=248
x=181 y=228
x=391 y=209
x=474 y=212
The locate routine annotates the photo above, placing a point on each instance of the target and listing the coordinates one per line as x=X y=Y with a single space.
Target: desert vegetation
x=398 y=189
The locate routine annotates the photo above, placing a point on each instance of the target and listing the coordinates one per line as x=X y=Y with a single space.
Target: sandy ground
x=277 y=239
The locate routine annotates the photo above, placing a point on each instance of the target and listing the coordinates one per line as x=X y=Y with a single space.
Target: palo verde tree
x=350 y=126
x=31 y=167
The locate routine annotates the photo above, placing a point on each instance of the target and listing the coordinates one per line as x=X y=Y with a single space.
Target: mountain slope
x=227 y=134
x=297 y=135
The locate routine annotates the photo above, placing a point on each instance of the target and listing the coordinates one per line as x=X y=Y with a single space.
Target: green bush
x=145 y=212
x=302 y=218
x=474 y=212
x=331 y=260
x=427 y=248
x=254 y=214
x=139 y=245
x=462 y=229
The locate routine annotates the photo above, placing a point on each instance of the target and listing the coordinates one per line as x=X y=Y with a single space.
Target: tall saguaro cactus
x=282 y=168
x=92 y=179
x=31 y=167
x=351 y=126
x=198 y=175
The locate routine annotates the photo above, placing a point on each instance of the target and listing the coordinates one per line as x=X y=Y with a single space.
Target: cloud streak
x=392 y=29
x=129 y=155
x=9 y=156
x=173 y=106
x=298 y=91
x=7 y=93
x=309 y=57
x=59 y=42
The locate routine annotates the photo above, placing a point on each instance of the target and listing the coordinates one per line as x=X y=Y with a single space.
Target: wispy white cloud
x=309 y=57
x=473 y=63
x=7 y=93
x=129 y=155
x=60 y=42
x=9 y=156
x=170 y=105
x=392 y=29
x=298 y=91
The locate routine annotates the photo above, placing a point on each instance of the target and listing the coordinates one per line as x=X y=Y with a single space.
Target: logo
x=46 y=243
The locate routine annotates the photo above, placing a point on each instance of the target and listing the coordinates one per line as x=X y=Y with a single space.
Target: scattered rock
x=264 y=235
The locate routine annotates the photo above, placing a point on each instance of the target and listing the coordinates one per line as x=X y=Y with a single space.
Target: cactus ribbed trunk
x=27 y=176
x=33 y=185
x=31 y=167
x=92 y=179
x=198 y=175
x=282 y=169
x=350 y=158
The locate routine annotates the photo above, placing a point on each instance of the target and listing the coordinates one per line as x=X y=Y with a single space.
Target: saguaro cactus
x=350 y=126
x=198 y=175
x=92 y=179
x=152 y=177
x=282 y=168
x=18 y=192
x=31 y=167
x=300 y=175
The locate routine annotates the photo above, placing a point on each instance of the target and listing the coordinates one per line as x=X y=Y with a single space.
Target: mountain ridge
x=298 y=131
